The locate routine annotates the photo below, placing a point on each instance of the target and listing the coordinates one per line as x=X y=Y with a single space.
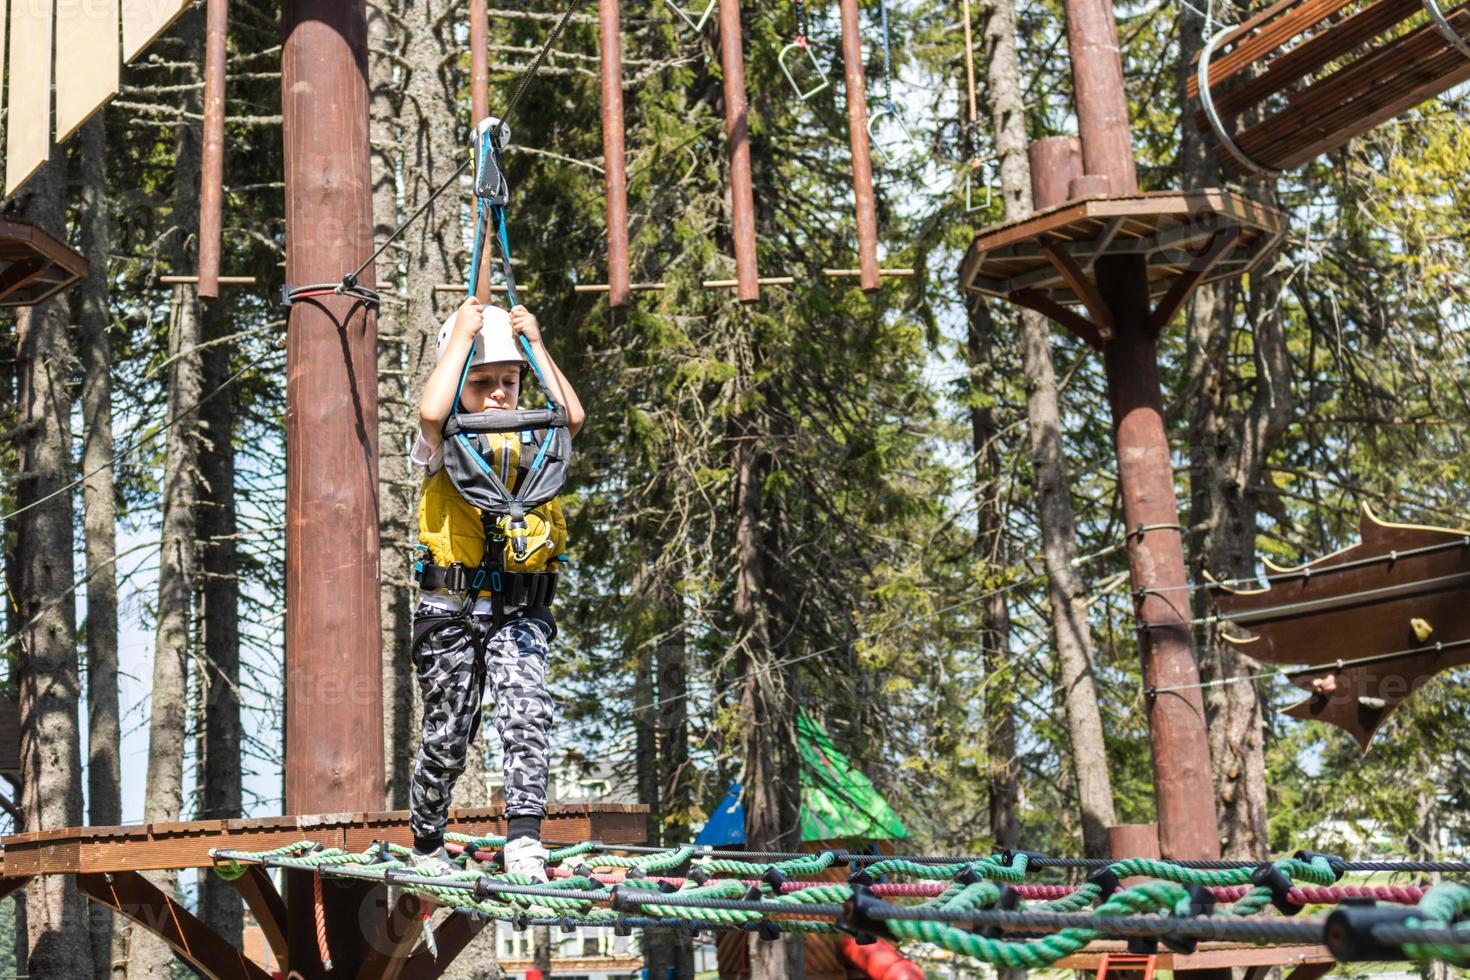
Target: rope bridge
x=980 y=907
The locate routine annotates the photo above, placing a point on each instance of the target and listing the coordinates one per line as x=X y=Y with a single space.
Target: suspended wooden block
x=1372 y=623
x=86 y=37
x=34 y=265
x=1045 y=262
x=144 y=20
x=1309 y=75
x=28 y=129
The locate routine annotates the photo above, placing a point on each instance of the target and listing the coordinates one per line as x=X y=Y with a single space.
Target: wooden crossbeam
x=450 y=939
x=1273 y=34
x=19 y=275
x=392 y=945
x=134 y=896
x=265 y=903
x=1083 y=287
x=1219 y=247
x=1051 y=309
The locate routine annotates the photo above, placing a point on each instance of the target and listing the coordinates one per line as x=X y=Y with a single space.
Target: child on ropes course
x=471 y=627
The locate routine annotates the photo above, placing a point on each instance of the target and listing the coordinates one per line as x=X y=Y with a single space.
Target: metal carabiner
x=490 y=182
x=703 y=18
x=801 y=43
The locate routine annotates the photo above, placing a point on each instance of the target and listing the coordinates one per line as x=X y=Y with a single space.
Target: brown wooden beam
x=212 y=149
x=1219 y=247
x=1040 y=302
x=9 y=886
x=19 y=275
x=1077 y=281
x=265 y=903
x=393 y=944
x=479 y=109
x=857 y=134
x=450 y=939
x=615 y=179
x=192 y=941
x=737 y=135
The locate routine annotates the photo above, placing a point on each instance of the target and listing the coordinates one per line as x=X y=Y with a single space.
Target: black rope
x=510 y=107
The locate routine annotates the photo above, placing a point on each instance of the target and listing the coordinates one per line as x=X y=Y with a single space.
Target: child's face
x=492 y=386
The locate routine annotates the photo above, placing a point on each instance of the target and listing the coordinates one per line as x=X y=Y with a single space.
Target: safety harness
x=502 y=510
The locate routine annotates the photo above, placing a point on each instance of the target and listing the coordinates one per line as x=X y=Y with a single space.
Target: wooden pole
x=737 y=134
x=334 y=709
x=1055 y=161
x=212 y=152
x=619 y=293
x=479 y=109
x=857 y=134
x=1183 y=781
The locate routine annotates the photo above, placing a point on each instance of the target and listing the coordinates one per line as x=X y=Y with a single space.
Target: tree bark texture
x=1003 y=789
x=149 y=956
x=221 y=794
x=1230 y=441
x=1066 y=592
x=772 y=792
x=47 y=671
x=396 y=484
x=99 y=519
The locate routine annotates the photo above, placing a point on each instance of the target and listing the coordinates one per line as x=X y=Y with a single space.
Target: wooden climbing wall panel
x=28 y=135
x=144 y=20
x=87 y=68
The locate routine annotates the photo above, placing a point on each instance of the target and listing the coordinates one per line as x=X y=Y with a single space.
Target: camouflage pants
x=455 y=661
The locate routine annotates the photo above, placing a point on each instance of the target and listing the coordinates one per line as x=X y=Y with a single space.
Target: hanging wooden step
x=34 y=265
x=1045 y=262
x=1312 y=74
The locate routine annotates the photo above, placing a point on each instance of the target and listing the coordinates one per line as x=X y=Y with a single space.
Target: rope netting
x=979 y=907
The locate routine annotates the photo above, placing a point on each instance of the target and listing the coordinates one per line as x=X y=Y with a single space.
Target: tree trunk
x=1070 y=629
x=94 y=319
x=541 y=949
x=47 y=672
x=1004 y=788
x=220 y=757
x=149 y=956
x=396 y=485
x=1229 y=445
x=768 y=701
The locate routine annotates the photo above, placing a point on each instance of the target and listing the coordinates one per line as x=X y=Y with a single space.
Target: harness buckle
x=478 y=580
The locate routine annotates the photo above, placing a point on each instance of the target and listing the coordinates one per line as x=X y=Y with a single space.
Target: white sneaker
x=435 y=862
x=526 y=856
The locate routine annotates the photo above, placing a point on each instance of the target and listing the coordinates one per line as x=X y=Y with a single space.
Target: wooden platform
x=34 y=265
x=150 y=847
x=1310 y=961
x=1046 y=262
x=1312 y=74
x=366 y=932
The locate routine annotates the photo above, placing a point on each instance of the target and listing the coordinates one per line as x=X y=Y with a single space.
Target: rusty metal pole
x=619 y=285
x=479 y=109
x=857 y=134
x=1183 y=782
x=737 y=134
x=212 y=152
x=334 y=708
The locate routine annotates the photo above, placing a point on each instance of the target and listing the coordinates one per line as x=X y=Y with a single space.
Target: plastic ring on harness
x=1207 y=103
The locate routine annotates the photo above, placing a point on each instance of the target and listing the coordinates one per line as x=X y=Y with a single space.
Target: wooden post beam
x=1219 y=247
x=737 y=135
x=212 y=150
x=1077 y=281
x=450 y=938
x=479 y=109
x=615 y=178
x=134 y=896
x=391 y=947
x=857 y=134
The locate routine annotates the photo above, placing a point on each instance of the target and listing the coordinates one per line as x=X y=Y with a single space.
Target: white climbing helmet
x=496 y=342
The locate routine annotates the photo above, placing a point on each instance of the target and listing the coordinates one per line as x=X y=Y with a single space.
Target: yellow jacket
x=451 y=529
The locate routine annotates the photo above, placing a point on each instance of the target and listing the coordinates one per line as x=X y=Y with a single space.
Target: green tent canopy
x=837 y=801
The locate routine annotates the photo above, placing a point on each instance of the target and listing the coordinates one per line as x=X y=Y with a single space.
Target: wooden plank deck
x=145 y=847
x=1208 y=956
